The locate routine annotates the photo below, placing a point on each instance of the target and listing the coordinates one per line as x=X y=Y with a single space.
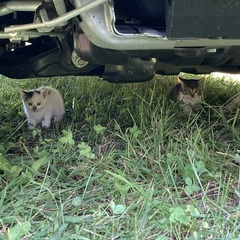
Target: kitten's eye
x=30 y=104
x=38 y=104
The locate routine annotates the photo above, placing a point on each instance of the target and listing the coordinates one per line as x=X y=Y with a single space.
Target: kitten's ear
x=44 y=92
x=23 y=94
x=181 y=80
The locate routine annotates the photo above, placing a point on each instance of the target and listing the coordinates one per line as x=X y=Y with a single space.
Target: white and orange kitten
x=41 y=105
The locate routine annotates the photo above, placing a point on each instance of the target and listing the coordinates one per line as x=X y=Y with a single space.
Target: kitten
x=42 y=105
x=188 y=93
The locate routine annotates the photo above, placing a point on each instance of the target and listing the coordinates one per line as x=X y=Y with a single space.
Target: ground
x=124 y=163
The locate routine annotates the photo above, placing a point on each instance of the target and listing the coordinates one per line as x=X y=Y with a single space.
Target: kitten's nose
x=34 y=108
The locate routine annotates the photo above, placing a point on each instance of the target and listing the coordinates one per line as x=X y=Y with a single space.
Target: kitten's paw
x=31 y=126
x=186 y=109
x=58 y=119
x=46 y=125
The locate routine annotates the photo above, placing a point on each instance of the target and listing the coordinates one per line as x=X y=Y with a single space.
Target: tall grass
x=125 y=163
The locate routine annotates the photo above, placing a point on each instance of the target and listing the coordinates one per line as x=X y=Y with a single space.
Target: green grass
x=123 y=164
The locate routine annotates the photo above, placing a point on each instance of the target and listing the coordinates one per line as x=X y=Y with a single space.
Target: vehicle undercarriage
x=120 y=40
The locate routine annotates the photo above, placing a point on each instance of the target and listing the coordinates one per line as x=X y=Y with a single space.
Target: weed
x=123 y=164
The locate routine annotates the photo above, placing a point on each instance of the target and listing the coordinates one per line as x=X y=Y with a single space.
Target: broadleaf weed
x=124 y=163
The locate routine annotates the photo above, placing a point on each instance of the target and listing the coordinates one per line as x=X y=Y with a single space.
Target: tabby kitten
x=42 y=105
x=188 y=93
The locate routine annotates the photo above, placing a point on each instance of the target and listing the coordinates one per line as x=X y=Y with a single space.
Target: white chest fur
x=189 y=100
x=188 y=103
